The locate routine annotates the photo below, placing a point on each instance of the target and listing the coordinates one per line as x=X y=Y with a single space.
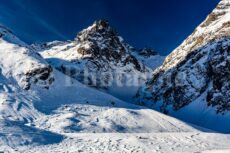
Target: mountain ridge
x=197 y=69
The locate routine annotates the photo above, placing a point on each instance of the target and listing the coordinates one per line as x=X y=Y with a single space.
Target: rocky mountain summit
x=99 y=57
x=199 y=67
x=97 y=48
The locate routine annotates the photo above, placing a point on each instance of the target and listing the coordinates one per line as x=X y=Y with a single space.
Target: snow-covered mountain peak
x=99 y=57
x=100 y=27
x=101 y=40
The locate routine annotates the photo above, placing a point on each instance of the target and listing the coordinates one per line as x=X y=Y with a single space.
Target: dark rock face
x=41 y=77
x=101 y=41
x=219 y=71
x=134 y=61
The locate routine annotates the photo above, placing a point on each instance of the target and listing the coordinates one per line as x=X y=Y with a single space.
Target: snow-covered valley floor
x=106 y=129
x=136 y=143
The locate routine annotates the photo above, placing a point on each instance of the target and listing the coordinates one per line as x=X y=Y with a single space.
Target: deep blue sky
x=160 y=24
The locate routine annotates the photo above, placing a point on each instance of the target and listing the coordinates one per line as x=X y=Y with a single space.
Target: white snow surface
x=138 y=143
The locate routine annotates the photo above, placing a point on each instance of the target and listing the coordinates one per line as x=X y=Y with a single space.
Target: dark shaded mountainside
x=195 y=73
